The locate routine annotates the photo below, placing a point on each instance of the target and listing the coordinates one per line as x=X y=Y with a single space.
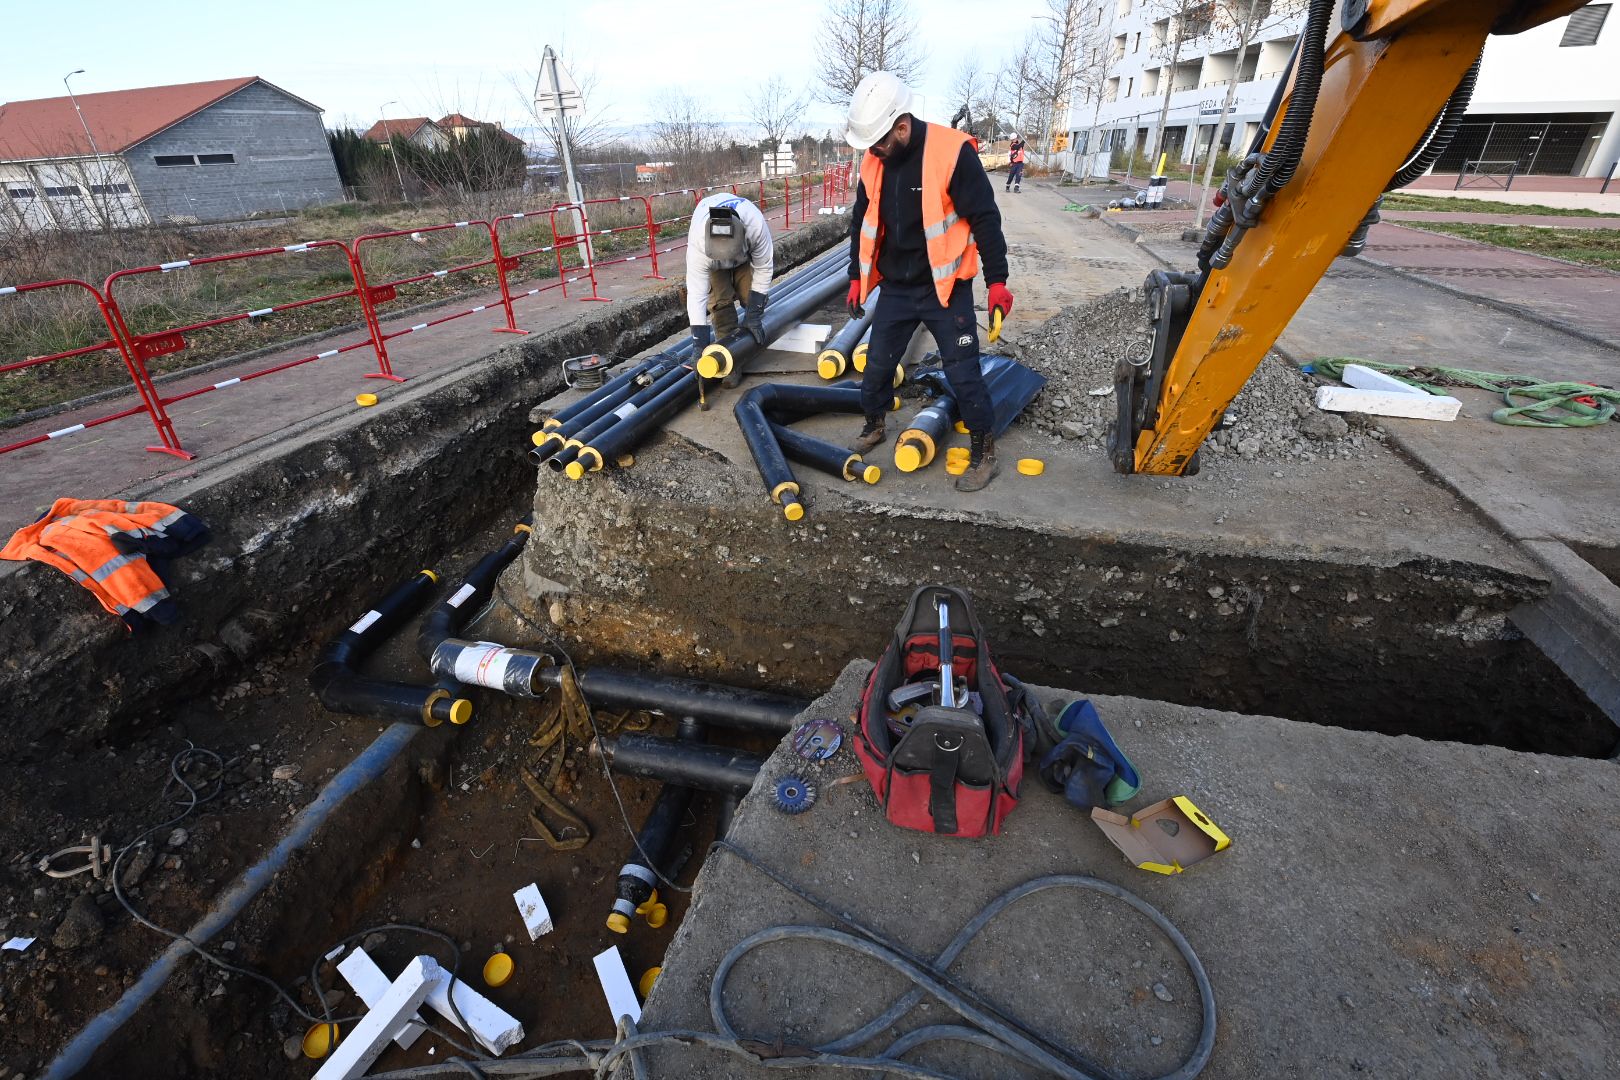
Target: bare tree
x=683 y=131
x=777 y=110
x=1184 y=21
x=1245 y=20
x=970 y=92
x=1096 y=61
x=858 y=37
x=1058 y=57
x=1015 y=83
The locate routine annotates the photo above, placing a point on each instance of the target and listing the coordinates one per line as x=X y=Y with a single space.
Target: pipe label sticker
x=623 y=412
x=461 y=595
x=483 y=664
x=365 y=622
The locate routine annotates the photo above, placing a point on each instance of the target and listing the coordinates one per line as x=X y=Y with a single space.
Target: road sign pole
x=576 y=194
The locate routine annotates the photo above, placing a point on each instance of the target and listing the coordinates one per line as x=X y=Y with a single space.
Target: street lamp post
x=94 y=149
x=388 y=136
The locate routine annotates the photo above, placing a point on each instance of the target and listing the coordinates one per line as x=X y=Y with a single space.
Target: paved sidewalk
x=1545 y=221
x=109 y=459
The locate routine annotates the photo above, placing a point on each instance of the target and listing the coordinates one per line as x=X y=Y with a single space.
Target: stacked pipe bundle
x=839 y=355
x=764 y=414
x=618 y=415
x=1012 y=387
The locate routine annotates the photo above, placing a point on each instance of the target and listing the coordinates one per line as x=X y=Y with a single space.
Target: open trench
x=674 y=566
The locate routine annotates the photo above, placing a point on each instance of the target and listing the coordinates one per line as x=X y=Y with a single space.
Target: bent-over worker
x=729 y=260
x=924 y=213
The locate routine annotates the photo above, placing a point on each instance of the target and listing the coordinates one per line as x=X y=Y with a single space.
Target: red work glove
x=1000 y=301
x=855 y=308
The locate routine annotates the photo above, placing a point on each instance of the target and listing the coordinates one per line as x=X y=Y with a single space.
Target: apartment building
x=1547 y=100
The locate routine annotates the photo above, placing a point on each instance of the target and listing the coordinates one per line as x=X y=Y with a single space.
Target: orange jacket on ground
x=103 y=544
x=951 y=250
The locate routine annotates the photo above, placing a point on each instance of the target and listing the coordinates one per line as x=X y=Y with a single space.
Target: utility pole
x=388 y=137
x=101 y=167
x=553 y=98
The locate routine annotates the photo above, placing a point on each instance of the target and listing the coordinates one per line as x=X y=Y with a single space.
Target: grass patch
x=1405 y=200
x=1592 y=247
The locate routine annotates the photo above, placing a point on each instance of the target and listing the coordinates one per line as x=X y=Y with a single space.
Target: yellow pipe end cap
x=624 y=461
x=858 y=361
x=957 y=453
x=540 y=438
x=460 y=711
x=956 y=466
x=617 y=923
x=497 y=969
x=907 y=458
x=575 y=471
x=961 y=428
x=793 y=511
x=894 y=405
x=1031 y=466
x=527 y=530
x=365 y=400
x=648 y=978
x=646 y=905
x=899 y=377
x=319 y=1040
x=657 y=915
x=830 y=364
x=871 y=474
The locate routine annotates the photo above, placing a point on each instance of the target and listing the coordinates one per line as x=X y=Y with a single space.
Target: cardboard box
x=1166 y=837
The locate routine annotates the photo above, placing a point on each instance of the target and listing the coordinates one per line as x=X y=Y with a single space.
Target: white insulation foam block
x=621 y=996
x=487 y=1022
x=369 y=985
x=355 y=1053
x=532 y=907
x=1418 y=406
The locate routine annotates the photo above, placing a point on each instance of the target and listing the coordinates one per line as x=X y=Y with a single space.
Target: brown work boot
x=871 y=437
x=981 y=463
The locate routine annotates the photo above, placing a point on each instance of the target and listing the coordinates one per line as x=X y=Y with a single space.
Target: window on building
x=20 y=192
x=1585 y=25
x=172 y=161
x=109 y=189
x=63 y=191
x=1130 y=86
x=1137 y=44
x=216 y=159
x=1124 y=8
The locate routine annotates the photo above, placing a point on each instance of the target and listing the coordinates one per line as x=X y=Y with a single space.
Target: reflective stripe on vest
x=951 y=251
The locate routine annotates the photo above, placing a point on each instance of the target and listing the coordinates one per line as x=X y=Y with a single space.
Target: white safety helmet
x=877 y=103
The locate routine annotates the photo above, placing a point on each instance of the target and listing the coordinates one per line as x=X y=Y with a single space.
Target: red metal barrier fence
x=504 y=261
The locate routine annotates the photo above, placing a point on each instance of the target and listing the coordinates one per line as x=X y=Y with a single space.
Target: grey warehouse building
x=194 y=152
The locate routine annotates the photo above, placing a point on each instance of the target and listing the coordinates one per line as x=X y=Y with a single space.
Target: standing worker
x=729 y=259
x=1015 y=163
x=924 y=210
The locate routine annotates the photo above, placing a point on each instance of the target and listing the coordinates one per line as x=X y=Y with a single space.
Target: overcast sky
x=435 y=57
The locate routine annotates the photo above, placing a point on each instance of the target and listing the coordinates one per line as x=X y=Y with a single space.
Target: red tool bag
x=937 y=763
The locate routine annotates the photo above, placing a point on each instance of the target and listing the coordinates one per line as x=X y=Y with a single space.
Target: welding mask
x=723 y=239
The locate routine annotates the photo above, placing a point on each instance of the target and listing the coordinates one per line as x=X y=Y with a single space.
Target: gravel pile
x=1273 y=419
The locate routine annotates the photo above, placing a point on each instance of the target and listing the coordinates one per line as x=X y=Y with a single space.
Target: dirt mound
x=1274 y=418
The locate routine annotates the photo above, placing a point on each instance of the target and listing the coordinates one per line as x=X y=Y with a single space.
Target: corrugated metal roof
x=119 y=119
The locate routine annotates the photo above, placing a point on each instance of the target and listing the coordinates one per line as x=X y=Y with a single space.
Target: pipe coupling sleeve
x=785 y=486
x=715 y=363
x=492 y=665
x=549 y=423
x=830 y=364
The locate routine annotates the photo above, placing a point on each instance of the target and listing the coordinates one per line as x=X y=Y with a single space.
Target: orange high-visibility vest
x=102 y=544
x=951 y=250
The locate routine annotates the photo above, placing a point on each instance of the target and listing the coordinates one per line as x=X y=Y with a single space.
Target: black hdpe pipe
x=714 y=703
x=459 y=664
x=337 y=681
x=736 y=349
x=768 y=457
x=925 y=434
x=839 y=354
x=802 y=297
x=824 y=456
x=755 y=411
x=651 y=852
x=697 y=765
x=579 y=441
x=605 y=399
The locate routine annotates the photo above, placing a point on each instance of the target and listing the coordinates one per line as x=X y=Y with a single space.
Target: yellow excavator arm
x=1375 y=90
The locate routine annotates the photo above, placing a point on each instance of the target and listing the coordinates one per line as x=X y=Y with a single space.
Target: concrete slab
x=1389 y=906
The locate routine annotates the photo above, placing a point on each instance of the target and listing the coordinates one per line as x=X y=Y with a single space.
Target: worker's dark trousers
x=956 y=331
x=1015 y=173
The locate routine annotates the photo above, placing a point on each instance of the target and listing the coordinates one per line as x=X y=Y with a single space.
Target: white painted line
x=532 y=907
x=370 y=985
x=355 y=1054
x=227 y=382
x=494 y=1027
x=621 y=998
x=479 y=308
x=261 y=313
x=181 y=265
x=65 y=431
x=1380 y=403
x=324 y=355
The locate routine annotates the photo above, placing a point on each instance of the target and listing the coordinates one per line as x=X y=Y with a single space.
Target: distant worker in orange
x=1015 y=164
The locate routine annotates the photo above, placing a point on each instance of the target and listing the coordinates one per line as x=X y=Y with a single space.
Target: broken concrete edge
x=308 y=526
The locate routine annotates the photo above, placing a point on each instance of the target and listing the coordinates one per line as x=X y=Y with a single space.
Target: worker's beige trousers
x=728 y=288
